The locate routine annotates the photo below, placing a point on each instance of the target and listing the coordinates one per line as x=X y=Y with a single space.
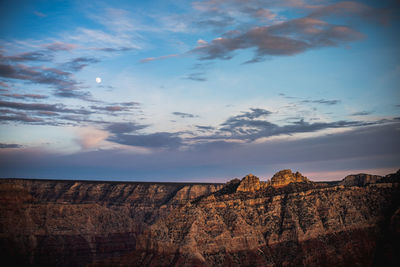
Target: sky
x=201 y=91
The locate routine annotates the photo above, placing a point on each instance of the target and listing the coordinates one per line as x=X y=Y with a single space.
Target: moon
x=98 y=80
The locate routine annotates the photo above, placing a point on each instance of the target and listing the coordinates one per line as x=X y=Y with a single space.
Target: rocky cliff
x=285 y=177
x=287 y=221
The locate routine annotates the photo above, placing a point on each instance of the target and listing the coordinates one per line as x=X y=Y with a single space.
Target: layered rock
x=360 y=179
x=285 y=177
x=249 y=183
x=242 y=223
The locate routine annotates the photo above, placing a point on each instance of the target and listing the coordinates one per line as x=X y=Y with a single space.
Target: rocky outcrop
x=249 y=183
x=242 y=223
x=360 y=179
x=285 y=177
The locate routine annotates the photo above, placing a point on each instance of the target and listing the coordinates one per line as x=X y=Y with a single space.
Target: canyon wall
x=287 y=221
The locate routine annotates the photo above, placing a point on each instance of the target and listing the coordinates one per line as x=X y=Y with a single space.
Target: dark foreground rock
x=287 y=221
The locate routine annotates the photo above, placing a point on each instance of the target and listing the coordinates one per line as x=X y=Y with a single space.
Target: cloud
x=281 y=37
x=111 y=108
x=76 y=120
x=39 y=14
x=90 y=137
x=70 y=93
x=126 y=133
x=222 y=14
x=205 y=128
x=286 y=38
x=117 y=49
x=152 y=140
x=352 y=9
x=42 y=107
x=3 y=84
x=117 y=107
x=149 y=59
x=60 y=46
x=28 y=56
x=218 y=22
x=79 y=63
x=124 y=127
x=322 y=101
x=25 y=96
x=184 y=115
x=197 y=76
x=9 y=115
x=61 y=80
x=254 y=113
x=46 y=113
x=114 y=38
x=361 y=148
x=250 y=126
x=129 y=104
x=361 y=113
x=3 y=145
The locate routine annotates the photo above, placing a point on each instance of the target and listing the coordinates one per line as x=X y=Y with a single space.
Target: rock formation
x=287 y=221
x=360 y=179
x=250 y=183
x=285 y=177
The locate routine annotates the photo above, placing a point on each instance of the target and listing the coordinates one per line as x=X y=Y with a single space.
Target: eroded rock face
x=285 y=177
x=250 y=183
x=242 y=223
x=360 y=179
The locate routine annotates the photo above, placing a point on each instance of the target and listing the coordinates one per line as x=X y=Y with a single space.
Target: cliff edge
x=286 y=221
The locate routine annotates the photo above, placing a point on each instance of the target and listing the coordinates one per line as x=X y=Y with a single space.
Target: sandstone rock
x=249 y=183
x=75 y=223
x=360 y=179
x=285 y=177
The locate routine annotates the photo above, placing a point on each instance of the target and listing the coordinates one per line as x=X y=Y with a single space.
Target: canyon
x=285 y=221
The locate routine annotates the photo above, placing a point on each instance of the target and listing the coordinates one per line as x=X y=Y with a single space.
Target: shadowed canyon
x=285 y=221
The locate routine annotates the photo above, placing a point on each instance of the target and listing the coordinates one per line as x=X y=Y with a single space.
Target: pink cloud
x=91 y=138
x=145 y=60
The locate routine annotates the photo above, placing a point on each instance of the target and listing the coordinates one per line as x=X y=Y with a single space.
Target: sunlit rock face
x=286 y=177
x=287 y=221
x=250 y=183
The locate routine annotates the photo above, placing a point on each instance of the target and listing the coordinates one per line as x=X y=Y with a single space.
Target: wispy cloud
x=361 y=113
x=20 y=117
x=40 y=14
x=3 y=145
x=255 y=124
x=79 y=63
x=29 y=56
x=149 y=59
x=282 y=37
x=286 y=38
x=128 y=133
x=25 y=96
x=184 y=115
x=322 y=101
x=42 y=107
x=60 y=46
x=116 y=49
x=124 y=127
x=203 y=128
x=196 y=76
x=152 y=140
x=59 y=78
x=347 y=151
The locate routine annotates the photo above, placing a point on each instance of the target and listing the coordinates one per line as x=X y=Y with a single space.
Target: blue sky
x=198 y=90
